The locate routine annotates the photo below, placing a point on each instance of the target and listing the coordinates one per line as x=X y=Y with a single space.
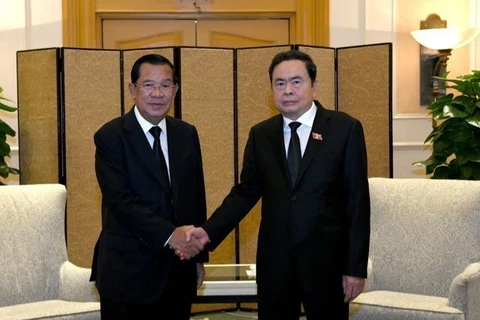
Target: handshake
x=188 y=241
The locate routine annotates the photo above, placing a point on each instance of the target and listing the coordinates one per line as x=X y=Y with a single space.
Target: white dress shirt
x=303 y=131
x=146 y=126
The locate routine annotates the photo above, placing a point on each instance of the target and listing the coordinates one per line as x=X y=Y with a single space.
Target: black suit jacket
x=131 y=263
x=321 y=225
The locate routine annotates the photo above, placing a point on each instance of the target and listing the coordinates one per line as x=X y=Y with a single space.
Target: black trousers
x=175 y=303
x=325 y=304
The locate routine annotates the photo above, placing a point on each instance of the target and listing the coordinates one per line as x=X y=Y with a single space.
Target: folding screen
x=365 y=92
x=39 y=94
x=91 y=97
x=207 y=98
x=66 y=94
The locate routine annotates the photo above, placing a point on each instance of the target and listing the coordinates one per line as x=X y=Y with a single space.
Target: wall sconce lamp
x=437 y=42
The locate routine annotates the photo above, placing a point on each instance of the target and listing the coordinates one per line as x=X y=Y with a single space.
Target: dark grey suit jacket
x=131 y=263
x=321 y=225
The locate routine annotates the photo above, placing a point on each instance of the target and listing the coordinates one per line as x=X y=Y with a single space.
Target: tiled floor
x=229 y=315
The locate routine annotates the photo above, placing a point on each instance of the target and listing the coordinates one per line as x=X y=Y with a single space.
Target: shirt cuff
x=166 y=242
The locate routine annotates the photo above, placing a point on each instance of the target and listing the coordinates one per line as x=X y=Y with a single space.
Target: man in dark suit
x=150 y=199
x=309 y=166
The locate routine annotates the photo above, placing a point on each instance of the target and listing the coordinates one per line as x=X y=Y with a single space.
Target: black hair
x=294 y=55
x=154 y=59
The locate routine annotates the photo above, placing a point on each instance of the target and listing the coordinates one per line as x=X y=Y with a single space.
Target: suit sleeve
x=241 y=199
x=357 y=203
x=200 y=198
x=136 y=215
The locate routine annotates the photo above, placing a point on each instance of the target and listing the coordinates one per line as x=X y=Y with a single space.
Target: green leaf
x=5 y=107
x=429 y=161
x=433 y=135
x=454 y=169
x=441 y=172
x=4 y=127
x=436 y=107
x=461 y=134
x=472 y=155
x=4 y=149
x=476 y=171
x=474 y=120
x=466 y=170
x=14 y=171
x=430 y=168
x=4 y=171
x=441 y=144
x=454 y=111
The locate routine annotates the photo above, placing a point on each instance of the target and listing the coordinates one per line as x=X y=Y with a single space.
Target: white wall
x=28 y=24
x=357 y=22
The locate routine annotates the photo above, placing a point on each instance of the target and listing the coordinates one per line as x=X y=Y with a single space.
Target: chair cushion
x=32 y=234
x=396 y=305
x=424 y=233
x=52 y=309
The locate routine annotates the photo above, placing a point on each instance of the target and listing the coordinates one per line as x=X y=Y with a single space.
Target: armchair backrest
x=424 y=233
x=32 y=238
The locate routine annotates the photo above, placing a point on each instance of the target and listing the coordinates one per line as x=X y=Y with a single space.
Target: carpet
x=229 y=315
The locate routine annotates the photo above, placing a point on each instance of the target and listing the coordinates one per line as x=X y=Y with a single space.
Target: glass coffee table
x=228 y=283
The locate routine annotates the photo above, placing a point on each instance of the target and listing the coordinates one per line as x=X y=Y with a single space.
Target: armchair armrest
x=369 y=286
x=75 y=284
x=464 y=292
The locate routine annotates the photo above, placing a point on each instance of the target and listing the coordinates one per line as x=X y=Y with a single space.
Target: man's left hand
x=352 y=287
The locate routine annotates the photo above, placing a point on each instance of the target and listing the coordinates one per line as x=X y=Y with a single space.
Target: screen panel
x=255 y=104
x=206 y=101
x=129 y=58
x=364 y=92
x=324 y=59
x=92 y=97
x=38 y=128
x=206 y=84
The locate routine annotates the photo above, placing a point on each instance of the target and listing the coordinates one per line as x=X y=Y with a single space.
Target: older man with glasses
x=149 y=168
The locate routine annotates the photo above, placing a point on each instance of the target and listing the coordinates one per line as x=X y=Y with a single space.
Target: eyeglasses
x=149 y=87
x=295 y=83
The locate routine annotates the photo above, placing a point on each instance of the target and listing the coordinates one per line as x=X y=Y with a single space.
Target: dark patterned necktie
x=155 y=131
x=294 y=155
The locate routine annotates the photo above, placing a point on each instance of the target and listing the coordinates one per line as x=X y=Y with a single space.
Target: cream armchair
x=36 y=279
x=424 y=251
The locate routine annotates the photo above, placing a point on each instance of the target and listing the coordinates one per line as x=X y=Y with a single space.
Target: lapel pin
x=317 y=136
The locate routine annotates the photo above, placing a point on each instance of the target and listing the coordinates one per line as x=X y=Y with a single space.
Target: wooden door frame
x=309 y=23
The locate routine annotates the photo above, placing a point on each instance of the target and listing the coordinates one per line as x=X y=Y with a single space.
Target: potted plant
x=5 y=130
x=455 y=137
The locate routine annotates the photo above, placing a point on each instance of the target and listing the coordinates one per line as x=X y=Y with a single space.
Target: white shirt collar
x=146 y=126
x=305 y=119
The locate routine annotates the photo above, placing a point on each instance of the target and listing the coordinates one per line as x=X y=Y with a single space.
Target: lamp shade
x=445 y=38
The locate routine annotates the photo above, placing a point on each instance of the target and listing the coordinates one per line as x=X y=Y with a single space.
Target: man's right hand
x=178 y=242
x=194 y=235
